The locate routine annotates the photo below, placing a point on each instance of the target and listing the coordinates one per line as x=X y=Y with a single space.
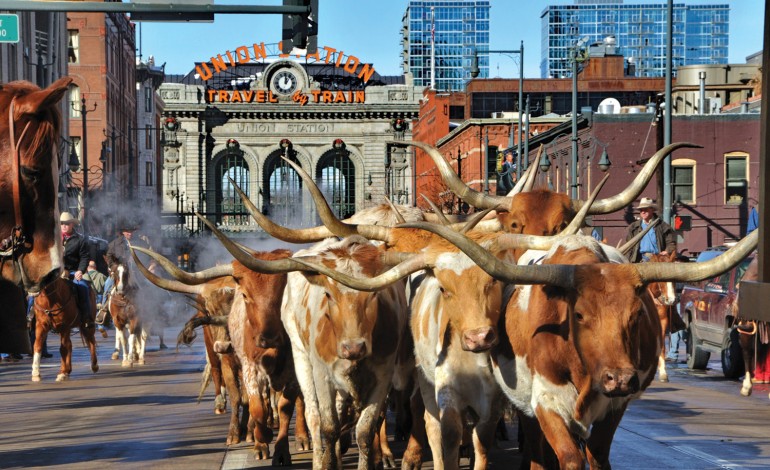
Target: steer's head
x=346 y=330
x=469 y=299
x=261 y=296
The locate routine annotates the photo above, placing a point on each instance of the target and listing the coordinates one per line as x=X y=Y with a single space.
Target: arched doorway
x=335 y=174
x=229 y=207
x=282 y=190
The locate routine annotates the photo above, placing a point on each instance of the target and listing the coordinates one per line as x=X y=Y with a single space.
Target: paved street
x=147 y=417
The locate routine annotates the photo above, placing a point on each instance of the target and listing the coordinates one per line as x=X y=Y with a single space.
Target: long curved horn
x=463 y=191
x=340 y=229
x=302 y=235
x=636 y=238
x=534 y=167
x=183 y=276
x=580 y=217
x=474 y=220
x=519 y=186
x=627 y=196
x=690 y=272
x=167 y=284
x=280 y=266
x=436 y=210
x=335 y=225
x=399 y=218
x=403 y=269
x=560 y=275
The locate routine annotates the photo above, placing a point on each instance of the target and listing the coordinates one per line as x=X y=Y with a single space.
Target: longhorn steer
x=261 y=346
x=582 y=340
x=344 y=341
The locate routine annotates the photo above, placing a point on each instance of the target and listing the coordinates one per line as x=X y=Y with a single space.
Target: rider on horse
x=118 y=249
x=76 y=262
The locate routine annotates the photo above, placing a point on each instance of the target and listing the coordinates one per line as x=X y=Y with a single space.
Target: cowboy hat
x=126 y=226
x=646 y=203
x=67 y=218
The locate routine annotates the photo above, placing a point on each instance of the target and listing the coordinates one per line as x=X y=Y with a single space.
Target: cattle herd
x=452 y=322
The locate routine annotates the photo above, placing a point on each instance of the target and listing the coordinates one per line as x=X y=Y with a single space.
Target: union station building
x=331 y=114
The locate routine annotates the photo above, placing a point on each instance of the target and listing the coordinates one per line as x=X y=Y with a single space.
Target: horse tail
x=205 y=379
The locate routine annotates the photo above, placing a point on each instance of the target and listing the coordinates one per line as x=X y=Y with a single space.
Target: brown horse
x=30 y=245
x=56 y=308
x=30 y=242
x=122 y=307
x=664 y=295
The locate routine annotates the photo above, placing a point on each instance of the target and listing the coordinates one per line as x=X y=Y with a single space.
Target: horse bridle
x=17 y=243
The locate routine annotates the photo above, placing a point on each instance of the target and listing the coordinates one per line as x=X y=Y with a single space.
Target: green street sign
x=9 y=28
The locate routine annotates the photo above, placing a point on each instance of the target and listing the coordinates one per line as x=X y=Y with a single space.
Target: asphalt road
x=147 y=417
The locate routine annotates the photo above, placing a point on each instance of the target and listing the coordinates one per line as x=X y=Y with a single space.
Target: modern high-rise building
x=700 y=34
x=456 y=29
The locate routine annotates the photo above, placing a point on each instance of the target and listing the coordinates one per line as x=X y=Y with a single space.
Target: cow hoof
x=303 y=443
x=664 y=378
x=282 y=456
x=62 y=377
x=220 y=406
x=261 y=451
x=36 y=378
x=140 y=362
x=115 y=356
x=233 y=440
x=127 y=364
x=388 y=461
x=94 y=368
x=746 y=392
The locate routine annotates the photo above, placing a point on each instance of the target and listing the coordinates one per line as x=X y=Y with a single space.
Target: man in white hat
x=76 y=256
x=661 y=239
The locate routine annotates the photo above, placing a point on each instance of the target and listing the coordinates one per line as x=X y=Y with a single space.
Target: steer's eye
x=443 y=292
x=579 y=316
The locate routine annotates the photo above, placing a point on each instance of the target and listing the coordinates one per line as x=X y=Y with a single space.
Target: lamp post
x=83 y=113
x=577 y=56
x=475 y=73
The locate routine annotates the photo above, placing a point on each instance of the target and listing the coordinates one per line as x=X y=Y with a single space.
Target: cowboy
x=660 y=239
x=76 y=261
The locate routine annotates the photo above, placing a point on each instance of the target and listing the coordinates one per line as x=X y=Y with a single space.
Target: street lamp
x=577 y=56
x=73 y=162
x=604 y=160
x=83 y=113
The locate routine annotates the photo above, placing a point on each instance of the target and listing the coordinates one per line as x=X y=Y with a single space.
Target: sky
x=370 y=30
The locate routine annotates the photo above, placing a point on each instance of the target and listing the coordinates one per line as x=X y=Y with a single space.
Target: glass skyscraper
x=460 y=27
x=700 y=34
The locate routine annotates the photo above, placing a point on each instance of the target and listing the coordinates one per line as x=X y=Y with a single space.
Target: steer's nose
x=352 y=350
x=479 y=339
x=620 y=382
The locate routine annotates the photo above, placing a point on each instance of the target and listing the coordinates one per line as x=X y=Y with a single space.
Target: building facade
x=454 y=30
x=146 y=137
x=102 y=104
x=700 y=34
x=333 y=121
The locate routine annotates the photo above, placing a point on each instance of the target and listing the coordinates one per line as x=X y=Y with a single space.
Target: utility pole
x=667 y=200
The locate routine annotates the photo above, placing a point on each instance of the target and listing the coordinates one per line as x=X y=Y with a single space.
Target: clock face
x=285 y=82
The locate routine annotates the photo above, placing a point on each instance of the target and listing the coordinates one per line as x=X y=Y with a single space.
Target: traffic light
x=683 y=223
x=300 y=30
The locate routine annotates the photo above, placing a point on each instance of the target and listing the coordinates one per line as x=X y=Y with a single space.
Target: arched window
x=229 y=207
x=282 y=190
x=336 y=178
